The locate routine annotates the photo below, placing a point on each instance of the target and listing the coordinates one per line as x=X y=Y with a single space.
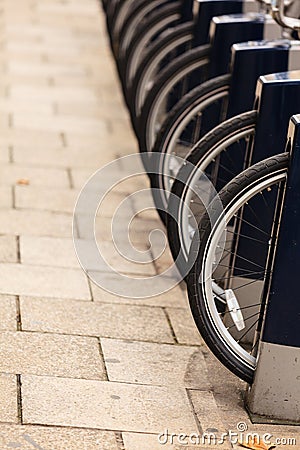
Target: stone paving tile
x=229 y=392
x=8 y=398
x=8 y=313
x=3 y=92
x=22 y=279
x=159 y=441
x=11 y=106
x=25 y=56
x=144 y=207
x=207 y=412
x=46 y=199
x=47 y=251
x=184 y=327
x=103 y=111
x=17 y=47
x=55 y=438
x=33 y=138
x=49 y=354
x=110 y=93
x=118 y=283
x=8 y=249
x=48 y=70
x=100 y=404
x=61 y=124
x=163 y=262
x=125 y=229
x=105 y=320
x=29 y=80
x=138 y=441
x=57 y=252
x=6 y=197
x=122 y=226
x=5 y=118
x=111 y=202
x=121 y=145
x=39 y=223
x=75 y=8
x=11 y=174
x=68 y=125
x=126 y=185
x=155 y=364
x=4 y=153
x=77 y=81
x=174 y=297
x=53 y=93
x=120 y=257
x=89 y=155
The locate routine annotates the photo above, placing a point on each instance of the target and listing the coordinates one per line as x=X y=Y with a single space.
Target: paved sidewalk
x=81 y=368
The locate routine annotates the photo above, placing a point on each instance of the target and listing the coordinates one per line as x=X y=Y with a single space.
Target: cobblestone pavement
x=81 y=368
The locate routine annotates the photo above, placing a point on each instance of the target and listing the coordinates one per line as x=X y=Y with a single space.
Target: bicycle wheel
x=166 y=17
x=137 y=14
x=175 y=78
x=173 y=42
x=226 y=298
x=110 y=10
x=194 y=115
x=121 y=13
x=220 y=155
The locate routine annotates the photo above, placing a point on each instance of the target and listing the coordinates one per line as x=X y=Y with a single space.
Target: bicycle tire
x=167 y=17
x=183 y=66
x=204 y=152
x=110 y=11
x=170 y=41
x=190 y=106
x=256 y=180
x=121 y=13
x=137 y=15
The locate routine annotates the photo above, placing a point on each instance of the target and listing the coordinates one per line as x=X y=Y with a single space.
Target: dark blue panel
x=249 y=62
x=279 y=101
x=282 y=323
x=209 y=9
x=187 y=10
x=228 y=30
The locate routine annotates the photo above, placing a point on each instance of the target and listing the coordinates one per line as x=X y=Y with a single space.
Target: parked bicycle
x=228 y=294
x=189 y=77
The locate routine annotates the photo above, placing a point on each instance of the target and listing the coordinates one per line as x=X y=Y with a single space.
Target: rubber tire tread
x=218 y=134
x=136 y=9
x=175 y=67
x=155 y=18
x=227 y=195
x=170 y=36
x=181 y=109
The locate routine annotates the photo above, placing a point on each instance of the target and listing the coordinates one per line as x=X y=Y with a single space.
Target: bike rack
x=274 y=395
x=225 y=31
x=250 y=60
x=277 y=100
x=205 y=10
x=187 y=10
